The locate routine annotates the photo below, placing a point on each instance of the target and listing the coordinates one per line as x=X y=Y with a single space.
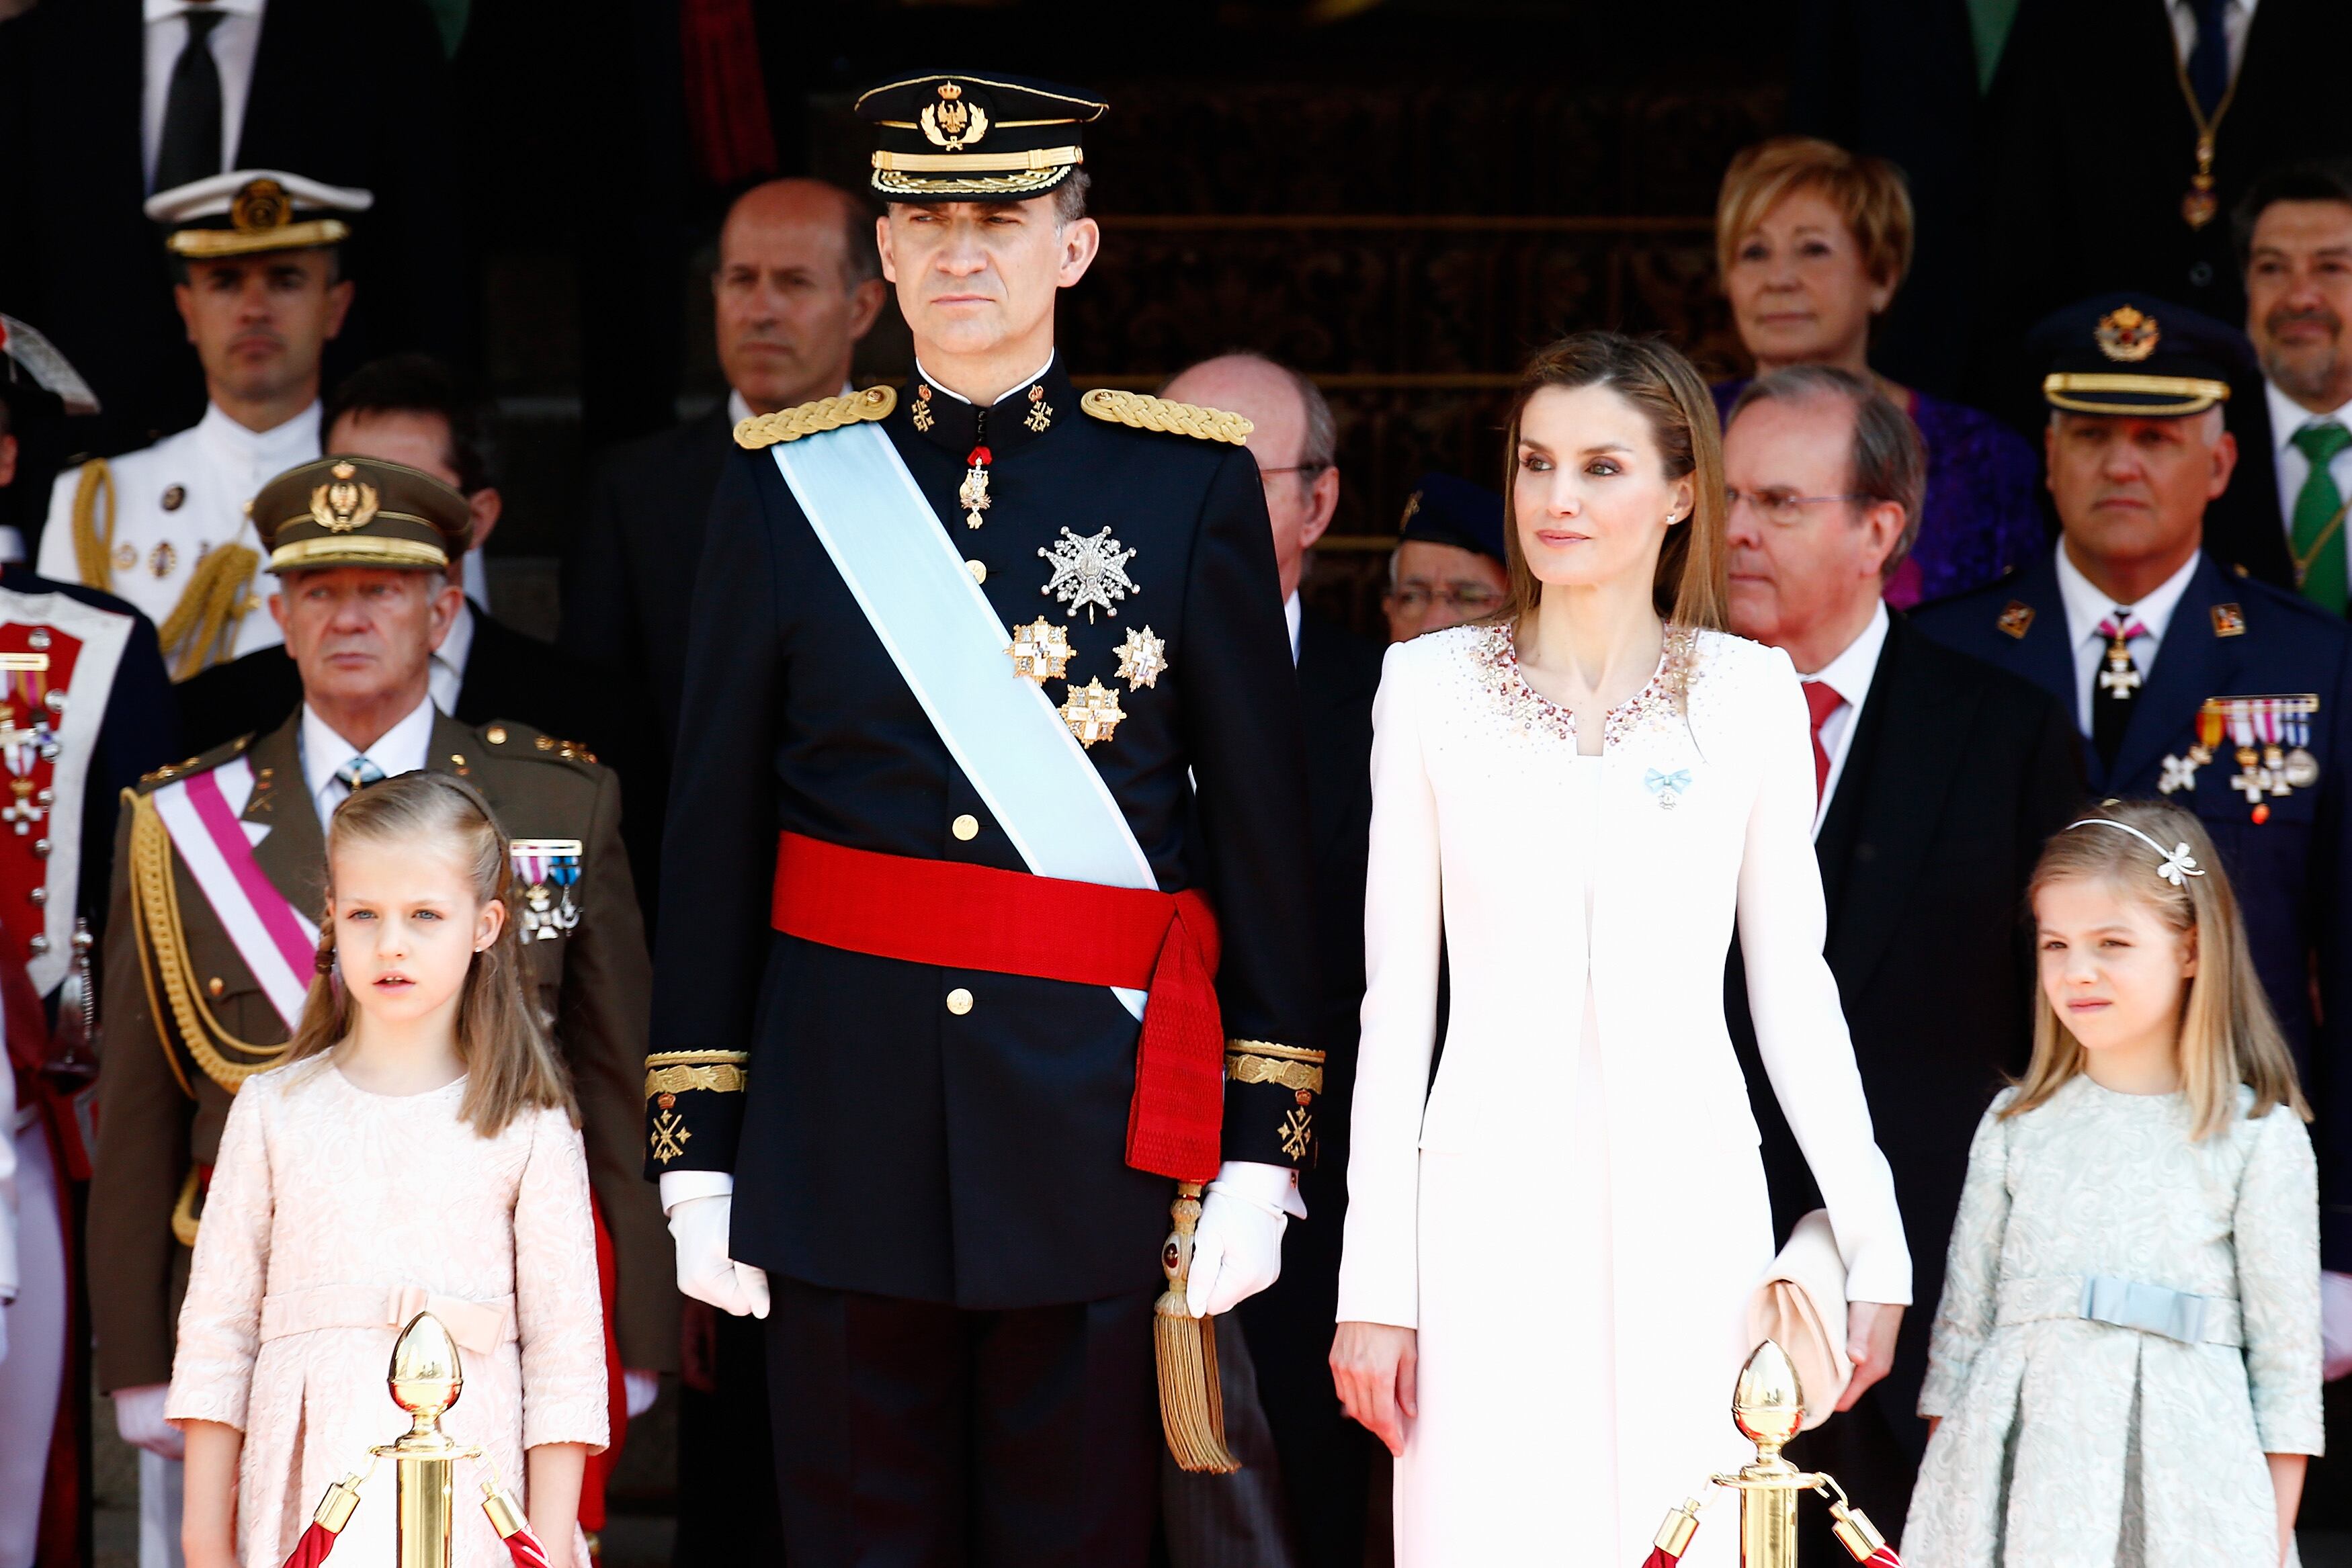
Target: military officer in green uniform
x=219 y=879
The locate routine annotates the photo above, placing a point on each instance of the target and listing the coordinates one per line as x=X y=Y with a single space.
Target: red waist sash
x=960 y=916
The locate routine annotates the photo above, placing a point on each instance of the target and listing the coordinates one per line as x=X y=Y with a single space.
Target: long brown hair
x=510 y=1064
x=1689 y=589
x=2228 y=1036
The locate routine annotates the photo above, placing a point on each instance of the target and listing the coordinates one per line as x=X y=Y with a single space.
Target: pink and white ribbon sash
x=277 y=943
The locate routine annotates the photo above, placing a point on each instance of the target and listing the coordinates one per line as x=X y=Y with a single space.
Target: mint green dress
x=2068 y=1442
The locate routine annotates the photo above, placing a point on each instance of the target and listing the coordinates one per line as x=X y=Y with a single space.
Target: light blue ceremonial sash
x=941 y=630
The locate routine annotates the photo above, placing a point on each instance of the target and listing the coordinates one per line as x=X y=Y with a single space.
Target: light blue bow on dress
x=1678 y=780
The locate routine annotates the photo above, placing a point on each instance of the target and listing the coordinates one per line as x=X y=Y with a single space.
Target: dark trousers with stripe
x=917 y=1435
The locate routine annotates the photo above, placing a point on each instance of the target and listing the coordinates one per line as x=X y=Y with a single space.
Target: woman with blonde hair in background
x=1551 y=1251
x=1812 y=242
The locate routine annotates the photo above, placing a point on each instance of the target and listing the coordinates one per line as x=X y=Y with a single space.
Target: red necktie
x=1822 y=700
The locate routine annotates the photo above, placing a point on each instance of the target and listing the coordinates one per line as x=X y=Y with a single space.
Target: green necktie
x=2319 y=534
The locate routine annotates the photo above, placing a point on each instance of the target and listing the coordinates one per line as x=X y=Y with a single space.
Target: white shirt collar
x=2288 y=416
x=2087 y=605
x=1292 y=613
x=161 y=10
x=950 y=392
x=296 y=441
x=402 y=748
x=1850 y=672
x=446 y=675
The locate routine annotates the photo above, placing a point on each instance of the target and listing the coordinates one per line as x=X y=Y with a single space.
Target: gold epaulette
x=809 y=418
x=1146 y=413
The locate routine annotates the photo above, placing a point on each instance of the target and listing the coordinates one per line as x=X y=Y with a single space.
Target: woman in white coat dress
x=1550 y=1249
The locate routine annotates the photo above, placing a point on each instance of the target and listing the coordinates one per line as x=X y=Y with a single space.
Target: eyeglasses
x=1474 y=598
x=1780 y=506
x=1309 y=469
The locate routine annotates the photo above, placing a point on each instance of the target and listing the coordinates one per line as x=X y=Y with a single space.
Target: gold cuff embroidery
x=720 y=1078
x=1296 y=1075
x=1267 y=1048
x=1297 y=1132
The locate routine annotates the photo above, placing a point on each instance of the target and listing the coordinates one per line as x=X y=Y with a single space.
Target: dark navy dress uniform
x=930 y=1161
x=2229 y=636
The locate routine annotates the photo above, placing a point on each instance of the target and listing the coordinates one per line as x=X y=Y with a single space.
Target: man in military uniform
x=165 y=526
x=220 y=874
x=2216 y=691
x=84 y=711
x=1008 y=668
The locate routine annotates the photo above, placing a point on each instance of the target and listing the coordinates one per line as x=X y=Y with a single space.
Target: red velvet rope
x=313 y=1549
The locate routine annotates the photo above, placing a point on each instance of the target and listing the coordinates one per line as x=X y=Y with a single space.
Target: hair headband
x=2177 y=864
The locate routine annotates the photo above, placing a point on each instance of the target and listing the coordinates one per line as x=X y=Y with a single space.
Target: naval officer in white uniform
x=261 y=290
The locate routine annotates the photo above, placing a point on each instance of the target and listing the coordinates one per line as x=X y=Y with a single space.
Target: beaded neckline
x=1532 y=712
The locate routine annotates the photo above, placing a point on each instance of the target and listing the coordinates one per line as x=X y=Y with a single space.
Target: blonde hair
x=1869 y=193
x=2228 y=1036
x=1689 y=588
x=512 y=1066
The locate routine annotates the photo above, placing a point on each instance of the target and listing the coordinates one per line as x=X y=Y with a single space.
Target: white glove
x=1237 y=1244
x=639 y=1390
x=2335 y=1325
x=699 y=1228
x=139 y=1416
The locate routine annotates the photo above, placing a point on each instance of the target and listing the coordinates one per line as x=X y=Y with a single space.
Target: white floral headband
x=2177 y=864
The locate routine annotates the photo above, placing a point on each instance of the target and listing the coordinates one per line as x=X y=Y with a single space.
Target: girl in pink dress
x=417 y=1149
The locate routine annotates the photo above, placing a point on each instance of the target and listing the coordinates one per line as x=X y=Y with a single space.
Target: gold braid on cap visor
x=310 y=234
x=344 y=550
x=2192 y=394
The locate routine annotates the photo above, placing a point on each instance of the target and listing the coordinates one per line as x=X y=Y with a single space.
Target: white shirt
x=400 y=749
x=2288 y=418
x=177 y=499
x=447 y=674
x=1291 y=614
x=2235 y=21
x=2087 y=605
x=235 y=40
x=1849 y=674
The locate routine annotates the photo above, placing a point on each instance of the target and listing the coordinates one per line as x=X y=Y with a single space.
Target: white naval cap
x=246 y=211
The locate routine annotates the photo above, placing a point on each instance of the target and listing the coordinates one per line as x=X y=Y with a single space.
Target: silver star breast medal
x=1089 y=573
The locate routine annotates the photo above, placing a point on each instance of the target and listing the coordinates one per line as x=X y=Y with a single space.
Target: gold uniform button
x=966 y=827
x=978 y=569
x=216 y=985
x=496 y=735
x=959 y=1001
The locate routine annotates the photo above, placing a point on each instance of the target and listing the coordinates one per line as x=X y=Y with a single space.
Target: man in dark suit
x=1938 y=777
x=102 y=102
x=1304 y=1502
x=2189 y=681
x=2093 y=175
x=408 y=408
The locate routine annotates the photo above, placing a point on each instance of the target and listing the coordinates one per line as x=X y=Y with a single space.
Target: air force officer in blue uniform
x=2188 y=681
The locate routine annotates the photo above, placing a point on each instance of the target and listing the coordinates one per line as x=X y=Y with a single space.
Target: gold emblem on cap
x=2127 y=333
x=345 y=502
x=260 y=204
x=952 y=122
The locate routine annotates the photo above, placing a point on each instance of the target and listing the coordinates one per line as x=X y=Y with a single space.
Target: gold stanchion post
x=425 y=1379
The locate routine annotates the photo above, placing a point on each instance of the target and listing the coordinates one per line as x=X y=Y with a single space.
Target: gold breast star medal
x=1041 y=651
x=1089 y=573
x=1092 y=712
x=972 y=493
x=1142 y=658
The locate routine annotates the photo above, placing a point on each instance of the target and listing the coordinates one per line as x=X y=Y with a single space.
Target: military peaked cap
x=943 y=136
x=248 y=210
x=1445 y=510
x=361 y=511
x=2139 y=357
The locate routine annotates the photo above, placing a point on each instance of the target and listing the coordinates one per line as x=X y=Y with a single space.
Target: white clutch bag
x=1801 y=1307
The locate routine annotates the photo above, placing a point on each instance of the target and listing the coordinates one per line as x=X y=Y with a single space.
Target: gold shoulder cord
x=1143 y=413
x=811 y=418
x=93 y=541
x=201 y=628
x=155 y=924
